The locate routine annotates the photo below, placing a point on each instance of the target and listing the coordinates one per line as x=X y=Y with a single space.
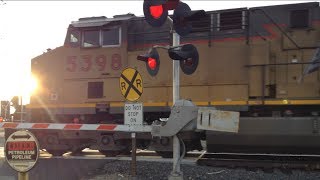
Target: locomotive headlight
x=28 y=88
x=32 y=84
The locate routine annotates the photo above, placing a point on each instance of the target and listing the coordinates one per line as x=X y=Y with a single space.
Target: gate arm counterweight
x=183 y=116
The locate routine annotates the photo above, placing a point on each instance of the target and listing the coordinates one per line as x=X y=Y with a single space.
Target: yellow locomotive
x=250 y=60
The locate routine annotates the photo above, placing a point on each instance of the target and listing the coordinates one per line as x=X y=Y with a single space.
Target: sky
x=28 y=28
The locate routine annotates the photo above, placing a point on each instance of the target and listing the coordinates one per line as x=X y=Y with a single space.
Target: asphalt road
x=54 y=169
x=67 y=167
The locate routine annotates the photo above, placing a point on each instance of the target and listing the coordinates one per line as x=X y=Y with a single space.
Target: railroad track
x=146 y=153
x=265 y=162
x=92 y=154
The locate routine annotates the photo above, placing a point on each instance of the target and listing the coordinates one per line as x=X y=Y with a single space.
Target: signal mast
x=156 y=14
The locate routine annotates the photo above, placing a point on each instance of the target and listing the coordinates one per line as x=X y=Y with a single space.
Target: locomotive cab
x=82 y=72
x=77 y=82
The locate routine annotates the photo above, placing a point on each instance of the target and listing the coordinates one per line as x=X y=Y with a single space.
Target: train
x=251 y=60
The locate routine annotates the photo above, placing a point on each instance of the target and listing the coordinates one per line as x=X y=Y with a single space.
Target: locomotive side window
x=111 y=37
x=74 y=37
x=231 y=20
x=91 y=38
x=299 y=18
x=95 y=90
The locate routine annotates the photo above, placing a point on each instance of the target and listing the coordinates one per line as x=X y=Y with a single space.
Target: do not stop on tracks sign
x=21 y=150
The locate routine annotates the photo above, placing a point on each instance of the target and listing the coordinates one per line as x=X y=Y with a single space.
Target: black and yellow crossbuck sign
x=131 y=85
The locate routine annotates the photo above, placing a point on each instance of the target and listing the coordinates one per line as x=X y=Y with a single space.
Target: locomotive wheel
x=77 y=151
x=52 y=143
x=126 y=152
x=56 y=152
x=109 y=153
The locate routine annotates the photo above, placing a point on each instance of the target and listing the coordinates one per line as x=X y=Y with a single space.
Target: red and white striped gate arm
x=87 y=127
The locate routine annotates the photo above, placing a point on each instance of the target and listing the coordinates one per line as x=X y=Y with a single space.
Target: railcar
x=251 y=60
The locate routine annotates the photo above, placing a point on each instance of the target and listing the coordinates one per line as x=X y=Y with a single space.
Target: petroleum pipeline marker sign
x=131 y=85
x=133 y=113
x=21 y=150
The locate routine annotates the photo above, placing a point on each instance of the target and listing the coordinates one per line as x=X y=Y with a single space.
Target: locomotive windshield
x=91 y=38
x=111 y=37
x=92 y=32
x=98 y=37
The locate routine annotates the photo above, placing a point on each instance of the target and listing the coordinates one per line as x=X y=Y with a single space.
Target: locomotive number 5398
x=86 y=63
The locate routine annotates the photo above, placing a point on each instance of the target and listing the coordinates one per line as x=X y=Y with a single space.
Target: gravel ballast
x=120 y=170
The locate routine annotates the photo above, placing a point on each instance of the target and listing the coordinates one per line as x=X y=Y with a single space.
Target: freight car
x=250 y=60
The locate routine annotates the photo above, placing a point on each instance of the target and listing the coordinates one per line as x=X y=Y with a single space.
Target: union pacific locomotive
x=251 y=60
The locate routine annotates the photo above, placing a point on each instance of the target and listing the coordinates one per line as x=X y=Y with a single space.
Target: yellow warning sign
x=131 y=85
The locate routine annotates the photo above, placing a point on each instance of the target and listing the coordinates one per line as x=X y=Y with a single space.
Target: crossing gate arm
x=184 y=117
x=216 y=120
x=87 y=127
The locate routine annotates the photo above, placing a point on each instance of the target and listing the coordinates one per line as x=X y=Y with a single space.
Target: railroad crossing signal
x=182 y=16
x=152 y=61
x=188 y=56
x=22 y=150
x=156 y=13
x=131 y=84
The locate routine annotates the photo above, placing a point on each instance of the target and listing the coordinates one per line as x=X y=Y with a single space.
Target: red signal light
x=156 y=11
x=152 y=63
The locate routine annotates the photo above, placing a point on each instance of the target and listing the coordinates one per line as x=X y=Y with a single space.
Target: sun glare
x=32 y=85
x=27 y=86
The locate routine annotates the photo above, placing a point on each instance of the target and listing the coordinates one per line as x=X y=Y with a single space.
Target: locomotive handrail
x=275 y=64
